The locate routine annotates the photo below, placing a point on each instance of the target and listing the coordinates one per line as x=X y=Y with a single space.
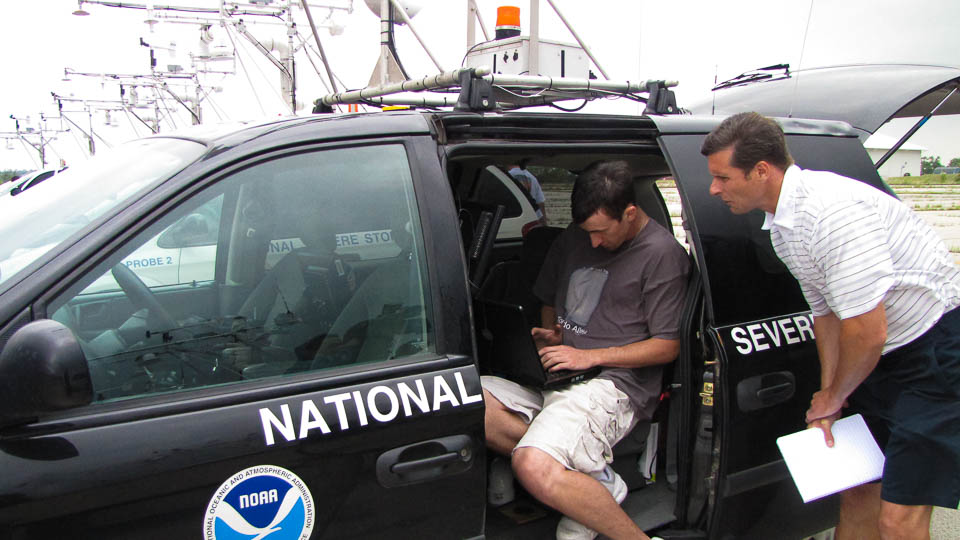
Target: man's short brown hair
x=754 y=138
x=603 y=185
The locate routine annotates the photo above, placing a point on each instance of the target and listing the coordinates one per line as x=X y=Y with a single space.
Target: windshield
x=38 y=219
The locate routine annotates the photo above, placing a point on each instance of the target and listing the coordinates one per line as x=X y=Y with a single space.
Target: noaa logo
x=262 y=502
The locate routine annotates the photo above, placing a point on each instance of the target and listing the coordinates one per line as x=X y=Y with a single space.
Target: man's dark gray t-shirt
x=614 y=298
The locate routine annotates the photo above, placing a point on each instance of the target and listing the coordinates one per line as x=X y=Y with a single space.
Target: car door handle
x=767 y=390
x=772 y=392
x=425 y=460
x=426 y=463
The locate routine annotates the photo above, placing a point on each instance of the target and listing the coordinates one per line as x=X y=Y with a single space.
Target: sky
x=693 y=41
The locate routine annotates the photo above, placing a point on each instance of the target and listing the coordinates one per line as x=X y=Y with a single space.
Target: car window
x=231 y=317
x=71 y=200
x=184 y=252
x=199 y=228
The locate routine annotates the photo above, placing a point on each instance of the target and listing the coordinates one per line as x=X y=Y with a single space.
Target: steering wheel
x=141 y=296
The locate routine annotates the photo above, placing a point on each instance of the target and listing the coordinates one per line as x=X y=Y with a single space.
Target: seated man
x=612 y=287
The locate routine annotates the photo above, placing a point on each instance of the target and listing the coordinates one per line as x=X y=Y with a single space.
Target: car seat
x=299 y=298
x=385 y=317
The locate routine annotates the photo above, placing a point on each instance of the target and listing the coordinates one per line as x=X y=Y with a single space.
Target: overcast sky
x=693 y=41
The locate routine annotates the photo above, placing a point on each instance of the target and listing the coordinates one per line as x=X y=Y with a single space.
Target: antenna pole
x=409 y=23
x=483 y=27
x=316 y=36
x=580 y=41
x=533 y=62
x=471 y=24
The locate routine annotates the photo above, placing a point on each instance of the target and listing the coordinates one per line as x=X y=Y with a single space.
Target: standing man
x=613 y=287
x=882 y=289
x=532 y=185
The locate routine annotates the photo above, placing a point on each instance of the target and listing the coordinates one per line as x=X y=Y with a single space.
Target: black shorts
x=911 y=402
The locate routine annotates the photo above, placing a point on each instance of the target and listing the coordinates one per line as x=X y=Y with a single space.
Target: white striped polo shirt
x=852 y=246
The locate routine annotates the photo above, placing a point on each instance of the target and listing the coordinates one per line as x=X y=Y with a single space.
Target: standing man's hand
x=824 y=410
x=825 y=424
x=545 y=337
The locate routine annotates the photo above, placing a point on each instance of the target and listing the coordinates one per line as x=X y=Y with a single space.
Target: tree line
x=9 y=174
x=928 y=164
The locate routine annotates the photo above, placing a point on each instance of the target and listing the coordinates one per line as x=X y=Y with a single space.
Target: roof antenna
x=803 y=46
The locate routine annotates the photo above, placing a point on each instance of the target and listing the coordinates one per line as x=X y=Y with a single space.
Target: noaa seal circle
x=264 y=501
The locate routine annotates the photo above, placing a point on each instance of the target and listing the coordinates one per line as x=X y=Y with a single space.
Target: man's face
x=742 y=192
x=609 y=233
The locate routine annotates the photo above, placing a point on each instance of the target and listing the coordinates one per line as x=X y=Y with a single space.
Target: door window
x=184 y=252
x=346 y=285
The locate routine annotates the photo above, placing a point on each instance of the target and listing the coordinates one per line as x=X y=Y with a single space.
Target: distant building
x=946 y=170
x=905 y=161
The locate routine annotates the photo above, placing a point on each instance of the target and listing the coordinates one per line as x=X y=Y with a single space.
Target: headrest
x=317 y=232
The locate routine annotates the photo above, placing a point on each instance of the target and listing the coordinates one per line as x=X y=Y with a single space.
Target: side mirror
x=190 y=231
x=42 y=369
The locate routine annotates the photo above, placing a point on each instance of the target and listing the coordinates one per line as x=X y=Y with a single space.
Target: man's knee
x=901 y=521
x=535 y=469
x=530 y=462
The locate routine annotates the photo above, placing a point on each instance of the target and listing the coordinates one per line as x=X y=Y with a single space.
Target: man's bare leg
x=860 y=513
x=902 y=522
x=504 y=428
x=573 y=493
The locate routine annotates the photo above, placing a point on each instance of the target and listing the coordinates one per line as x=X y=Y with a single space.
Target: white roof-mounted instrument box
x=512 y=57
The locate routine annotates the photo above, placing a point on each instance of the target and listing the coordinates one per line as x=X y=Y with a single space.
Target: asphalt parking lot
x=939 y=206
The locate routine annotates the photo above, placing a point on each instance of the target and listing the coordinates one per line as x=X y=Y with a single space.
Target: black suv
x=321 y=378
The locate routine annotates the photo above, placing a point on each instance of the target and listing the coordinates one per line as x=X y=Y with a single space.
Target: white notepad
x=819 y=470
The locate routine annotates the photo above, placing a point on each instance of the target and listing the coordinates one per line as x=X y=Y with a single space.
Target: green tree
x=928 y=164
x=955 y=162
x=7 y=174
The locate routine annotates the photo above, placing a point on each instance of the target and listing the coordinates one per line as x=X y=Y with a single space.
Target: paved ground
x=940 y=206
x=945 y=524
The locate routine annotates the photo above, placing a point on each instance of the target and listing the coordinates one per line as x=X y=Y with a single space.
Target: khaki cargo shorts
x=577 y=425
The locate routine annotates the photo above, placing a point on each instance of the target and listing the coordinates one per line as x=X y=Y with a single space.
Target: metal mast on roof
x=487 y=88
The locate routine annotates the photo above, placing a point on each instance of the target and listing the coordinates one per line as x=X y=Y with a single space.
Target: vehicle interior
x=647 y=458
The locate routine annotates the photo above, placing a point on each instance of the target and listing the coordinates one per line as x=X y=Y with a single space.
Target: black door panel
x=241 y=422
x=768 y=359
x=172 y=482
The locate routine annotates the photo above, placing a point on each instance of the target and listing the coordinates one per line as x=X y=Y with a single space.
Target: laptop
x=513 y=352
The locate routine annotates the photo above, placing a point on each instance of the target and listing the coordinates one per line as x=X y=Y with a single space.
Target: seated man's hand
x=557 y=357
x=544 y=337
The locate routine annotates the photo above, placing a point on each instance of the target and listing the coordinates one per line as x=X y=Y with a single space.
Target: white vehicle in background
x=28 y=180
x=186 y=250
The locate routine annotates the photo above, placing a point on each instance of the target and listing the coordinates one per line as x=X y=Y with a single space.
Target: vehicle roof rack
x=478 y=89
